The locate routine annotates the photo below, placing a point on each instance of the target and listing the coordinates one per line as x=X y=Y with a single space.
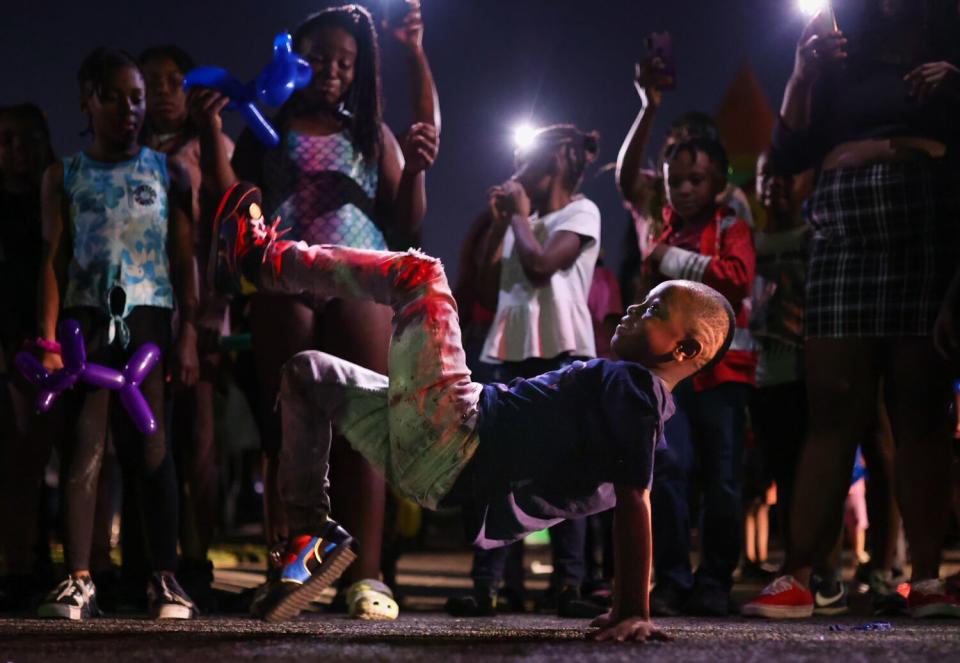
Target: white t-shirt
x=545 y=322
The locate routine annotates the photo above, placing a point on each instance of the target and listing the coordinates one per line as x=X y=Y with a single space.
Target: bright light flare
x=812 y=7
x=523 y=135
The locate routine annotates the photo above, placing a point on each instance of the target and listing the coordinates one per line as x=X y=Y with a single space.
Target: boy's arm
x=423 y=90
x=629 y=620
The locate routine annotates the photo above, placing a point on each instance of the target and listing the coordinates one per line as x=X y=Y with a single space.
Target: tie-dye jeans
x=419 y=425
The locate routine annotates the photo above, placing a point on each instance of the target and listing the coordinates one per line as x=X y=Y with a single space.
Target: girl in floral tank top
x=116 y=230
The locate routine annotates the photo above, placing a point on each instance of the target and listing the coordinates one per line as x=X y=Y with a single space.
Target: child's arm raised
x=56 y=256
x=648 y=80
x=185 y=367
x=423 y=90
x=629 y=620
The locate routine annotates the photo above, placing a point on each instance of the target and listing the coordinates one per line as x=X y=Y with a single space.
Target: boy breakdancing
x=568 y=443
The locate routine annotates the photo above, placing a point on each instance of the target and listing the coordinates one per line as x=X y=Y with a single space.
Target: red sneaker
x=784 y=598
x=930 y=598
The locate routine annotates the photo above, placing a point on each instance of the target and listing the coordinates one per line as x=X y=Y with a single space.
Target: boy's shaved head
x=681 y=328
x=711 y=320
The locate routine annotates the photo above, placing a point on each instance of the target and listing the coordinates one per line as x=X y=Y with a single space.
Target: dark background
x=496 y=62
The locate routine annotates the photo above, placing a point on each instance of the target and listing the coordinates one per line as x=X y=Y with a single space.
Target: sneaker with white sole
x=784 y=598
x=74 y=598
x=830 y=598
x=930 y=598
x=166 y=599
x=312 y=563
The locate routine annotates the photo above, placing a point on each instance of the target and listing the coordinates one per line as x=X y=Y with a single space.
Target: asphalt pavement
x=425 y=633
x=436 y=637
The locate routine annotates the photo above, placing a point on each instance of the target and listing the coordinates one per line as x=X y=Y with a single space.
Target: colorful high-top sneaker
x=313 y=563
x=239 y=238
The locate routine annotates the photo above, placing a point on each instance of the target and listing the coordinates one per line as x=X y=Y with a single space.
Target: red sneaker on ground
x=784 y=598
x=930 y=598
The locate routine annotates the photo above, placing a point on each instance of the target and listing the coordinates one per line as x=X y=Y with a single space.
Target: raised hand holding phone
x=657 y=71
x=820 y=44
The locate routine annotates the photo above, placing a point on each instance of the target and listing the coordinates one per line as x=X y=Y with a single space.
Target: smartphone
x=395 y=12
x=660 y=45
x=827 y=21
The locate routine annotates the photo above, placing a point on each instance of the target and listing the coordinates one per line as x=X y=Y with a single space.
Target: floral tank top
x=118 y=220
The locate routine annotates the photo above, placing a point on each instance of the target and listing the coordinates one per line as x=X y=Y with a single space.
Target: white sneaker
x=74 y=598
x=167 y=600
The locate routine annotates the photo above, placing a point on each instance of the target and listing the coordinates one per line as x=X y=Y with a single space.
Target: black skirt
x=886 y=244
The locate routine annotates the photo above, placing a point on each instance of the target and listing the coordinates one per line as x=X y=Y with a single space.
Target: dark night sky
x=495 y=61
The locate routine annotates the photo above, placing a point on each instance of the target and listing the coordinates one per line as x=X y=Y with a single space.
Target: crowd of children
x=767 y=338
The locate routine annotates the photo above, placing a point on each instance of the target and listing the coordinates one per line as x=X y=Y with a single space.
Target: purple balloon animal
x=75 y=368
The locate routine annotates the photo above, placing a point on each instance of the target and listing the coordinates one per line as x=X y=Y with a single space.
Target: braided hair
x=701 y=144
x=362 y=106
x=96 y=69
x=579 y=150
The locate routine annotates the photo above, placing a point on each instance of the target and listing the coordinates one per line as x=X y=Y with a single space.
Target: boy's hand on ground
x=630 y=629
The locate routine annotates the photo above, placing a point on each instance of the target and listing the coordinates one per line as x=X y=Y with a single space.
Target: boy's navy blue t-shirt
x=551 y=447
